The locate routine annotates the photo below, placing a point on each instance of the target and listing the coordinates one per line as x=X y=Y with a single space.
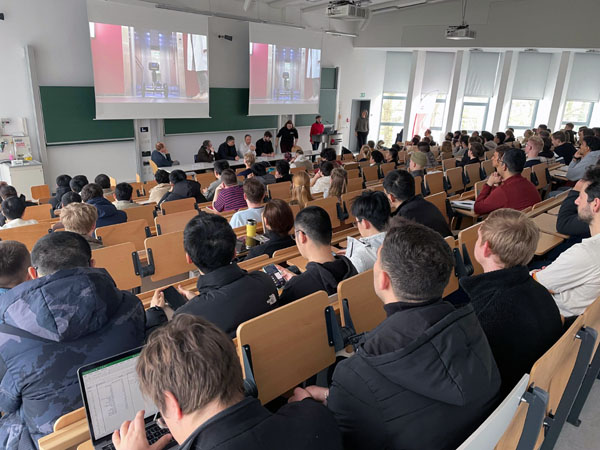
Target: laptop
x=111 y=395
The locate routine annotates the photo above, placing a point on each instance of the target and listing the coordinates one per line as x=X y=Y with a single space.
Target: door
x=357 y=107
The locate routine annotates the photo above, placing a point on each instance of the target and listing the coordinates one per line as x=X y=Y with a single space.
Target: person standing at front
x=361 y=130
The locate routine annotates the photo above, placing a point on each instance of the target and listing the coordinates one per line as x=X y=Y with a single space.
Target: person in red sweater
x=506 y=188
x=316 y=128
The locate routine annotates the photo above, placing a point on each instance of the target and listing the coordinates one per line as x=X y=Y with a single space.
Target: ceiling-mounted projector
x=346 y=9
x=459 y=33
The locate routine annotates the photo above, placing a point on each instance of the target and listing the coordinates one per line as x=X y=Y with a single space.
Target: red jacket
x=515 y=192
x=316 y=128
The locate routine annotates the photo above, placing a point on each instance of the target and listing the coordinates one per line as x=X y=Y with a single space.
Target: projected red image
x=148 y=66
x=284 y=74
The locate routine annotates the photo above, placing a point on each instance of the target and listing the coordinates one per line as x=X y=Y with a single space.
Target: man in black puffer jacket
x=181 y=187
x=425 y=378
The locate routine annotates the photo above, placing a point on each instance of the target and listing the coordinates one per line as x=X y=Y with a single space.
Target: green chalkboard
x=228 y=111
x=69 y=113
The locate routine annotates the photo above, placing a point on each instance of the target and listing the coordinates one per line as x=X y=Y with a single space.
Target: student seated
x=249 y=160
x=573 y=278
x=14 y=262
x=301 y=190
x=372 y=212
x=446 y=150
x=416 y=166
x=474 y=154
x=77 y=183
x=227 y=295
x=123 y=194
x=568 y=221
x=338 y=186
x=209 y=410
x=62 y=187
x=392 y=155
x=282 y=171
x=259 y=171
x=182 y=188
x=227 y=150
x=364 y=154
x=399 y=187
x=13 y=209
x=425 y=377
x=506 y=188
x=533 y=148
x=107 y=213
x=463 y=146
x=229 y=196
x=517 y=314
x=322 y=179
x=75 y=316
x=254 y=195
x=81 y=218
x=161 y=156
x=264 y=146
x=562 y=148
x=324 y=270
x=587 y=156
x=301 y=161
x=425 y=148
x=104 y=182
x=67 y=199
x=219 y=167
x=163 y=186
x=376 y=158
x=278 y=221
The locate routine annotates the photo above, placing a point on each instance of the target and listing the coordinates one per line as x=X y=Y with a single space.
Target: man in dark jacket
x=227 y=295
x=227 y=150
x=425 y=378
x=181 y=188
x=208 y=410
x=62 y=187
x=563 y=148
x=399 y=186
x=107 y=213
x=568 y=221
x=67 y=316
x=517 y=314
x=324 y=270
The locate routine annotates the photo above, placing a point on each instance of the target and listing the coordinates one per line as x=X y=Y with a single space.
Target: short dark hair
x=220 y=166
x=70 y=197
x=279 y=216
x=424 y=146
x=487 y=136
x=229 y=138
x=14 y=261
x=254 y=190
x=417 y=260
x=501 y=136
x=63 y=180
x=464 y=139
x=514 y=158
x=542 y=126
x=282 y=167
x=374 y=207
x=371 y=144
x=246 y=135
x=314 y=222
x=60 y=251
x=377 y=156
x=560 y=136
x=209 y=241
x=326 y=167
x=103 y=181
x=268 y=134
x=91 y=190
x=328 y=154
x=161 y=176
x=177 y=176
x=586 y=131
x=501 y=149
x=123 y=191
x=592 y=142
x=13 y=208
x=592 y=176
x=78 y=182
x=7 y=191
x=318 y=117
x=229 y=177
x=258 y=169
x=399 y=183
x=477 y=150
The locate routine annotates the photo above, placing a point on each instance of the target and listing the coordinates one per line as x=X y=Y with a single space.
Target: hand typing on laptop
x=132 y=436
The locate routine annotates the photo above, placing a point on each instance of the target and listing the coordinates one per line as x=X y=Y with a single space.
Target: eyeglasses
x=356 y=222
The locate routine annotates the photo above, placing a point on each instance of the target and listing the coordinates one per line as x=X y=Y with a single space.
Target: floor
x=587 y=435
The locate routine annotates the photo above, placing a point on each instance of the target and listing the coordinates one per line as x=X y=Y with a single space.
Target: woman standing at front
x=361 y=130
x=289 y=137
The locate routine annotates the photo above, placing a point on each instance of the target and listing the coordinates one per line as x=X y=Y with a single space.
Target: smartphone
x=174 y=298
x=275 y=275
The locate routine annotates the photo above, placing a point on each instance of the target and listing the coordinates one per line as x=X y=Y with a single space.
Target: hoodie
x=425 y=378
x=49 y=328
x=60 y=191
x=318 y=277
x=107 y=213
x=184 y=189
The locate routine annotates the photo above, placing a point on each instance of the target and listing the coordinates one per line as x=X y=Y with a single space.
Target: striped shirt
x=230 y=199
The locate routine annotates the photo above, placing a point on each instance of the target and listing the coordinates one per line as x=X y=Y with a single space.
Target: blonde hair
x=446 y=147
x=536 y=142
x=249 y=158
x=301 y=189
x=297 y=149
x=511 y=236
x=339 y=182
x=79 y=218
x=365 y=152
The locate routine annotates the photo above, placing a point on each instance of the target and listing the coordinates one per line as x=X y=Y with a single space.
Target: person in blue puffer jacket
x=107 y=213
x=67 y=316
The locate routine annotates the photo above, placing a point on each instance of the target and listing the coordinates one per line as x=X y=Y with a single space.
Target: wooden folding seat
x=466 y=241
x=175 y=206
x=295 y=170
x=435 y=182
x=354 y=184
x=418 y=185
x=153 y=166
x=488 y=167
x=347 y=200
x=439 y=200
x=387 y=168
x=174 y=222
x=329 y=204
x=28 y=234
x=449 y=163
x=286 y=346
x=364 y=164
x=118 y=260
x=351 y=166
x=138 y=190
x=348 y=157
x=526 y=173
x=473 y=173
x=135 y=232
x=205 y=179
x=489 y=154
x=142 y=212
x=454 y=179
x=41 y=191
x=370 y=174
x=358 y=303
x=280 y=190
x=540 y=175
x=166 y=255
x=353 y=173
x=452 y=285
x=40 y=212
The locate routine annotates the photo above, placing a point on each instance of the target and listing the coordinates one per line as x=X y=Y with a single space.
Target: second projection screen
x=285 y=70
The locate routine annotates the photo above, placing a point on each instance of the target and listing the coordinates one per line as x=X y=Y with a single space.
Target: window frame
x=533 y=117
x=563 y=122
x=474 y=103
x=444 y=101
x=391 y=96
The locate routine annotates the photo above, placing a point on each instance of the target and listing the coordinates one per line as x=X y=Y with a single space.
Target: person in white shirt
x=372 y=211
x=254 y=194
x=322 y=180
x=123 y=194
x=246 y=146
x=13 y=209
x=573 y=278
x=300 y=160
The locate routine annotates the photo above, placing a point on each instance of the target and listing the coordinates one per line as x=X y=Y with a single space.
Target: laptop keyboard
x=153 y=434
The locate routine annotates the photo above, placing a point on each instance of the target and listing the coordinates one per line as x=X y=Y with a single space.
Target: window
x=578 y=113
x=474 y=113
x=392 y=117
x=437 y=118
x=522 y=114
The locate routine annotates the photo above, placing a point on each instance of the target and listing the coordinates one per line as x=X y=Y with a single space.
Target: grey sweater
x=362 y=125
x=577 y=168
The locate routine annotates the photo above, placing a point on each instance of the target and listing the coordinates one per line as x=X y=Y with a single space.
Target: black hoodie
x=184 y=189
x=318 y=277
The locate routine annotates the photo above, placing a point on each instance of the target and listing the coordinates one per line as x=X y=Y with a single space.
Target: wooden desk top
x=554 y=211
x=298 y=261
x=547 y=224
x=546 y=243
x=87 y=445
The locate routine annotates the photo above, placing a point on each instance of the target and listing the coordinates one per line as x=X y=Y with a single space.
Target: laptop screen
x=112 y=394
